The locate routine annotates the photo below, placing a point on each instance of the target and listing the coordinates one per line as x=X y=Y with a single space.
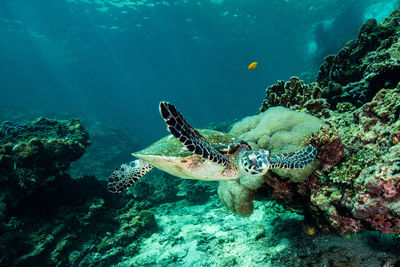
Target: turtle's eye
x=253 y=161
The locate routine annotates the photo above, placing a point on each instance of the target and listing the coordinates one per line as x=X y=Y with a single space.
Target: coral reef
x=329 y=146
x=294 y=94
x=34 y=154
x=111 y=143
x=364 y=66
x=80 y=223
x=358 y=186
x=51 y=219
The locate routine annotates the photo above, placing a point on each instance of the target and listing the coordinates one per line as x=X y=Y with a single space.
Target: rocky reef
x=50 y=219
x=35 y=154
x=362 y=190
x=358 y=186
x=110 y=142
x=364 y=66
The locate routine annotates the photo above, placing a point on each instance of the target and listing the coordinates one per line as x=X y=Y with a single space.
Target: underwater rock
x=111 y=142
x=77 y=223
x=364 y=66
x=359 y=187
x=36 y=153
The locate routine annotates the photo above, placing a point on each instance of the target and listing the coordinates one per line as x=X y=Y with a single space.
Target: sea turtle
x=202 y=155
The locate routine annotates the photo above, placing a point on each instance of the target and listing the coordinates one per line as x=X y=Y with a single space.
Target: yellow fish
x=253 y=65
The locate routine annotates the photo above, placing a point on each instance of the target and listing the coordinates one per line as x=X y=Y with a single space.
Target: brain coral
x=280 y=130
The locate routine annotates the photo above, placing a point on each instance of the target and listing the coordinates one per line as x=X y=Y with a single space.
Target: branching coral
x=291 y=93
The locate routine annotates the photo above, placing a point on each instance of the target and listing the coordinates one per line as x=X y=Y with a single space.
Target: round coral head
x=252 y=66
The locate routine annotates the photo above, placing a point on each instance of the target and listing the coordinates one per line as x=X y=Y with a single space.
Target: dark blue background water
x=120 y=62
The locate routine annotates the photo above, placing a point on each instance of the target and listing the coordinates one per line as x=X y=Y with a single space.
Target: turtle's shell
x=169 y=155
x=169 y=146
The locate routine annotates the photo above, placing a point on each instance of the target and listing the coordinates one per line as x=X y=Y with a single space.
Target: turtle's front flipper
x=188 y=136
x=296 y=160
x=258 y=162
x=124 y=176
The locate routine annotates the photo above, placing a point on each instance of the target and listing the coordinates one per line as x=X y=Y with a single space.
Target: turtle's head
x=254 y=162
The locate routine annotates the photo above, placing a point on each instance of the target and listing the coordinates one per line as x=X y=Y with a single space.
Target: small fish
x=253 y=65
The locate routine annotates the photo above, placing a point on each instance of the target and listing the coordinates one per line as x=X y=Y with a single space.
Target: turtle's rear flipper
x=124 y=176
x=188 y=136
x=296 y=160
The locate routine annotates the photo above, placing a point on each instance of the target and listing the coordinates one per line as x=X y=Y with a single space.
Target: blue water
x=118 y=59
